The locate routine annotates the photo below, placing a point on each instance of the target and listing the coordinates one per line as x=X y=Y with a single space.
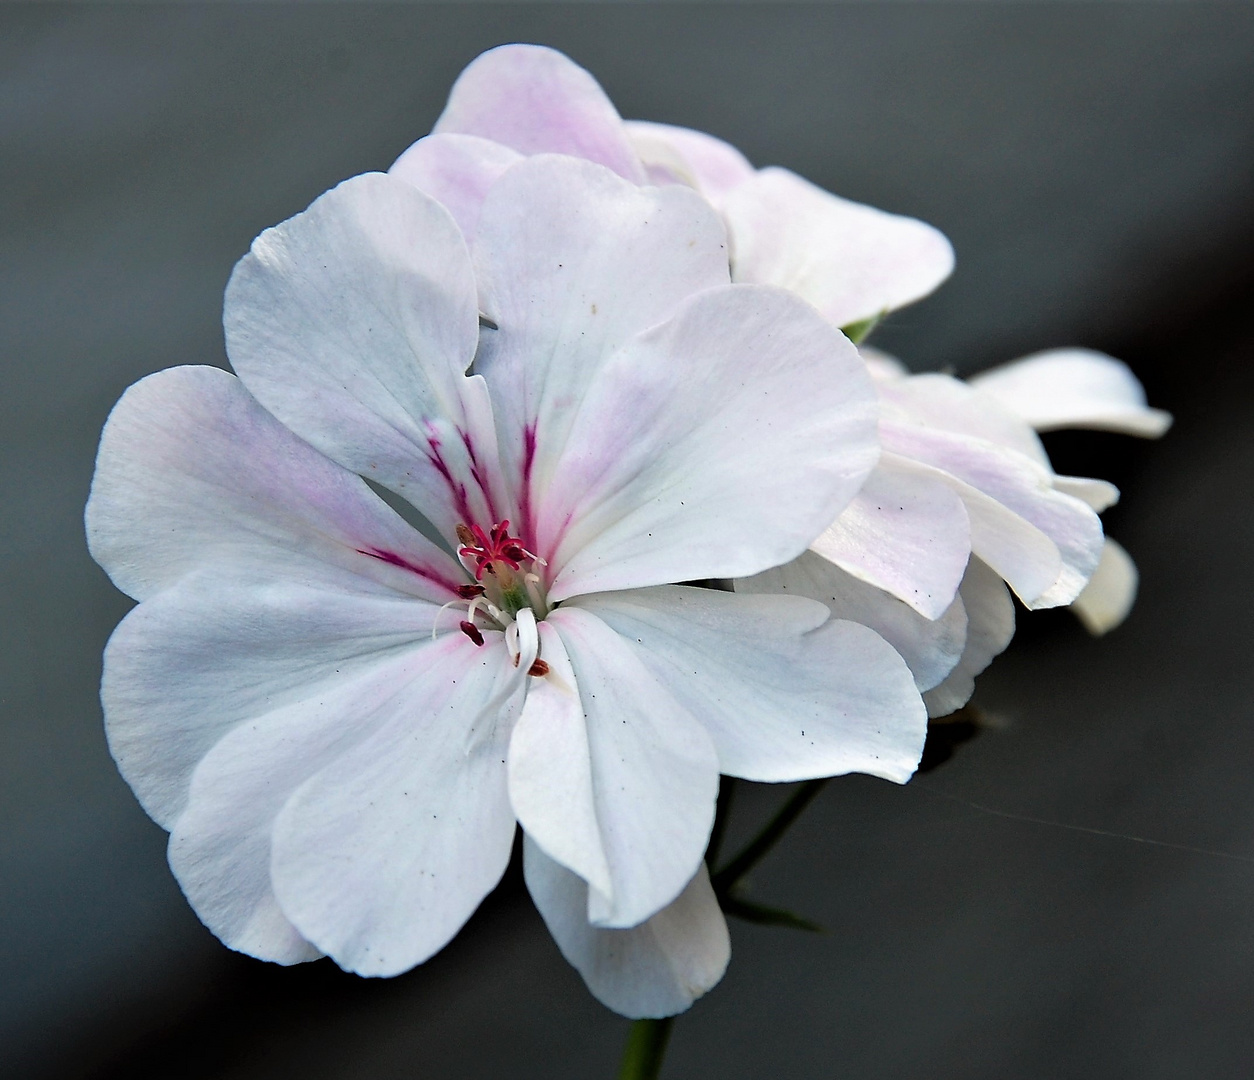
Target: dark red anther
x=471 y=631
x=538 y=668
x=469 y=592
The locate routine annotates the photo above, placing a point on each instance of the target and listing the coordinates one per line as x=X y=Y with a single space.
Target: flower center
x=508 y=593
x=503 y=567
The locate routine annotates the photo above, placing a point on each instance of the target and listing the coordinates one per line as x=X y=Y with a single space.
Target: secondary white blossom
x=1080 y=388
x=963 y=498
x=340 y=722
x=853 y=262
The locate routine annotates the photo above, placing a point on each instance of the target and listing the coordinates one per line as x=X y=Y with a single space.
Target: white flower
x=853 y=262
x=1080 y=388
x=963 y=497
x=340 y=723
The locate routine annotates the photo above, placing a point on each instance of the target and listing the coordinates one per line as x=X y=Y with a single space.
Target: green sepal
x=859 y=331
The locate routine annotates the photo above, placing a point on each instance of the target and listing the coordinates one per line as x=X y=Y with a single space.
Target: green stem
x=724 y=880
x=646 y=1043
x=646 y=1046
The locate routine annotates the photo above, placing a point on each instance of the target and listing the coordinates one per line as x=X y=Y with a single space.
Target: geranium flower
x=964 y=487
x=959 y=475
x=341 y=722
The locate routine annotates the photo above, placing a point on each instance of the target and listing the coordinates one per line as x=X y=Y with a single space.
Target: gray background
x=1094 y=166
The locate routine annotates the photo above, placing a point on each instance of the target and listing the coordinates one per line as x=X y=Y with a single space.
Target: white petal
x=456 y=170
x=715 y=445
x=943 y=403
x=379 y=858
x=1099 y=494
x=217 y=650
x=654 y=772
x=990 y=626
x=353 y=323
x=681 y=155
x=551 y=782
x=883 y=366
x=658 y=968
x=573 y=262
x=192 y=472
x=1012 y=505
x=906 y=532
x=785 y=693
x=538 y=101
x=1074 y=388
x=220 y=845
x=851 y=261
x=1110 y=593
x=930 y=647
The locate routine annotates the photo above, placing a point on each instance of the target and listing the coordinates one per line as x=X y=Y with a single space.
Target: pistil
x=498 y=561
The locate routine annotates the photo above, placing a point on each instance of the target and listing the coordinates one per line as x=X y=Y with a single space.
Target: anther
x=538 y=668
x=465 y=535
x=469 y=592
x=471 y=631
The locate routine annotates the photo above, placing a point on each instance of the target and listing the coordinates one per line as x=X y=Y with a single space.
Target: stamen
x=528 y=638
x=435 y=623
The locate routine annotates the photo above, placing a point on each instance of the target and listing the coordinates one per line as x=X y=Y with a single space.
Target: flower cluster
x=602 y=361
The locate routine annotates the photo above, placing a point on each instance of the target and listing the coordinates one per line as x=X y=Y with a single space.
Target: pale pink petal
x=219 y=647
x=1022 y=489
x=906 y=532
x=1074 y=388
x=1099 y=494
x=882 y=366
x=220 y=845
x=1108 y=597
x=681 y=155
x=455 y=170
x=381 y=856
x=715 y=445
x=573 y=262
x=784 y=692
x=990 y=626
x=551 y=782
x=192 y=472
x=654 y=773
x=537 y=101
x=931 y=647
x=658 y=968
x=353 y=323
x=943 y=403
x=851 y=261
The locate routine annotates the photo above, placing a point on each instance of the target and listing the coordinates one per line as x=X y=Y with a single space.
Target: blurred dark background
x=1094 y=167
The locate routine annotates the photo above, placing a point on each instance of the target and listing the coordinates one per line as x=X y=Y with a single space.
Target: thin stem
x=724 y=880
x=646 y=1046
